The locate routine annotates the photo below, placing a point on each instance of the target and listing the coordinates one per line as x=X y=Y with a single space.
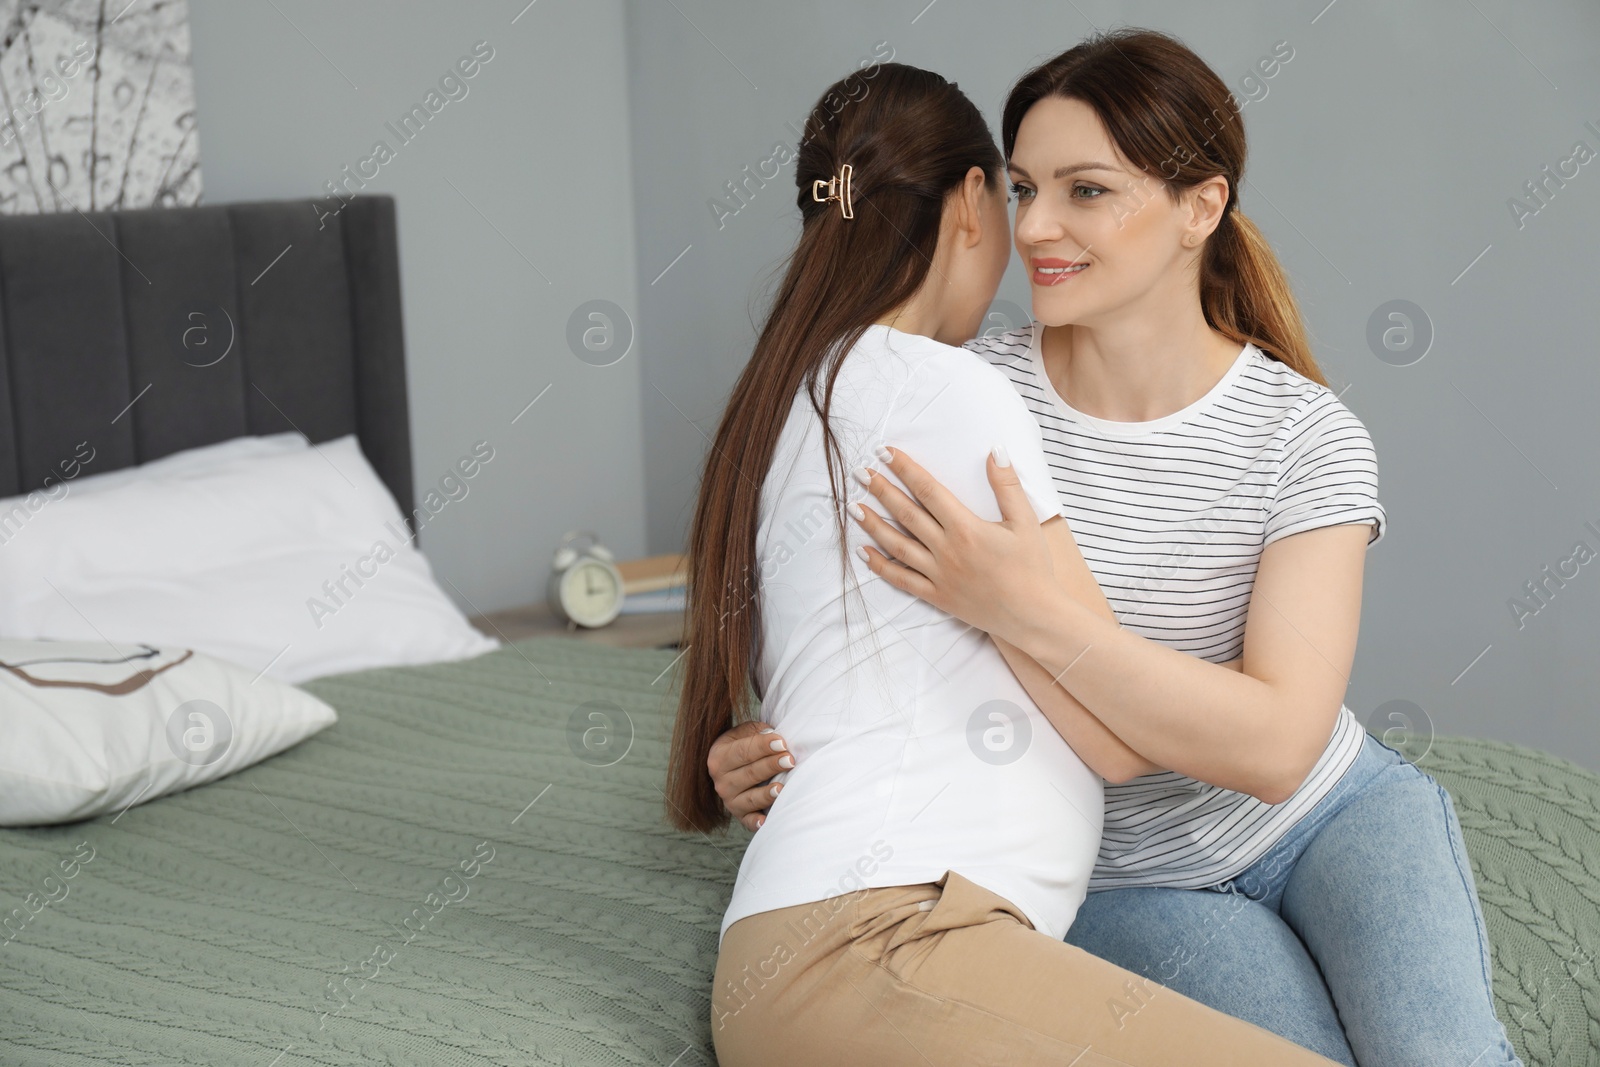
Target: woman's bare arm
x=1256 y=731
x=1096 y=744
x=1105 y=753
x=1259 y=731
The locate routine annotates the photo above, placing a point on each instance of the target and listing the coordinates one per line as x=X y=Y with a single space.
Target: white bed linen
x=288 y=560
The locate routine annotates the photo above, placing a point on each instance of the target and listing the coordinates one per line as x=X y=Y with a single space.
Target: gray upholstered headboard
x=147 y=332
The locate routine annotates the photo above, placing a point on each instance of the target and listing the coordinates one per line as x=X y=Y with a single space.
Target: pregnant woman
x=907 y=900
x=1261 y=852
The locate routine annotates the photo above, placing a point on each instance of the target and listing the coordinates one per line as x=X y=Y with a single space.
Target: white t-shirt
x=1171 y=515
x=918 y=752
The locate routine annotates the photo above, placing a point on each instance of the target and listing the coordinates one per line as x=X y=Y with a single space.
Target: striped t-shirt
x=1172 y=515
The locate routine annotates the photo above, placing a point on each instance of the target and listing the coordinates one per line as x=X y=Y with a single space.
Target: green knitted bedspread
x=471 y=867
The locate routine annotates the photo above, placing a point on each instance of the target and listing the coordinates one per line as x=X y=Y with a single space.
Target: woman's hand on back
x=742 y=763
x=983 y=573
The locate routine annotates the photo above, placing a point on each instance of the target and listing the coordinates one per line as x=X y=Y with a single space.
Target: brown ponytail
x=1172 y=117
x=910 y=137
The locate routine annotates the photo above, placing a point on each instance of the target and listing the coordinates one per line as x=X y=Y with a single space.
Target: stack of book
x=653 y=585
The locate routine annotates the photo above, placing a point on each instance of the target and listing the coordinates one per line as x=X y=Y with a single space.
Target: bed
x=299 y=908
x=470 y=866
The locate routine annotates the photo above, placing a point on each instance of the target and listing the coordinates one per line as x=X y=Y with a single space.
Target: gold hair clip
x=838 y=189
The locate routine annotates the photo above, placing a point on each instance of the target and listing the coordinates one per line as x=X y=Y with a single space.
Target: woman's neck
x=915 y=318
x=1137 y=367
x=929 y=310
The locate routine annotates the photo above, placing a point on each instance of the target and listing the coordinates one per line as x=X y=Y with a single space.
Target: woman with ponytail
x=908 y=902
x=1261 y=852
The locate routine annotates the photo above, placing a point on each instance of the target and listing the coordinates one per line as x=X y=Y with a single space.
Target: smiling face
x=1099 y=237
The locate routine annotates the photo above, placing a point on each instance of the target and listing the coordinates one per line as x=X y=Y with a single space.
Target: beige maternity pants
x=949 y=973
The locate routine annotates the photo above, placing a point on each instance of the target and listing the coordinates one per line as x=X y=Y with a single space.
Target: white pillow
x=69 y=477
x=190 y=459
x=297 y=564
x=92 y=728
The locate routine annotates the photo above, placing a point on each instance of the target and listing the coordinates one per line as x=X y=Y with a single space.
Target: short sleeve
x=1327 y=475
x=975 y=409
x=1025 y=446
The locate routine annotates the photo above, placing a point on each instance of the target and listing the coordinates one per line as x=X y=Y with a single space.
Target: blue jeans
x=1359 y=935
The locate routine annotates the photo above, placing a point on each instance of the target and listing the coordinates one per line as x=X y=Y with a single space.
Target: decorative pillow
x=296 y=563
x=92 y=728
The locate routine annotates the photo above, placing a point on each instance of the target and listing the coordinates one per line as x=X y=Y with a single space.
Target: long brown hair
x=1170 y=115
x=910 y=138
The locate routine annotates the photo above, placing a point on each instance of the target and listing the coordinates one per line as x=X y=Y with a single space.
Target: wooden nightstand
x=663 y=630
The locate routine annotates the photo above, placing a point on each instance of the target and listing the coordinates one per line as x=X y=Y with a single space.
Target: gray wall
x=1384 y=156
x=514 y=210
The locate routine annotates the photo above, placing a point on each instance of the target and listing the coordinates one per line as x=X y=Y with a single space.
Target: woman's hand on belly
x=742 y=764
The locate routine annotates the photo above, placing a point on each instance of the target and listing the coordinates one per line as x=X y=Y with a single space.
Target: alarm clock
x=585 y=586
